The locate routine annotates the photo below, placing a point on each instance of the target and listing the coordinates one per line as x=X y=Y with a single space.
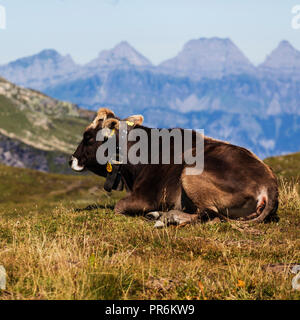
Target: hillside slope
x=27 y=187
x=287 y=166
x=37 y=131
x=38 y=120
x=18 y=154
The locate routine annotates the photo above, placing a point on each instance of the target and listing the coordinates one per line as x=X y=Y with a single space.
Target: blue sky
x=156 y=28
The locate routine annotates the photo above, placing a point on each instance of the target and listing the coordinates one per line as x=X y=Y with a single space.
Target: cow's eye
x=90 y=140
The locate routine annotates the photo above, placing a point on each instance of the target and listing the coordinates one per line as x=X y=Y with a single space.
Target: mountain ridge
x=40 y=70
x=211 y=58
x=224 y=93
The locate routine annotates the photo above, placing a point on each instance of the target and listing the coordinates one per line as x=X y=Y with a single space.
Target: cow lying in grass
x=234 y=184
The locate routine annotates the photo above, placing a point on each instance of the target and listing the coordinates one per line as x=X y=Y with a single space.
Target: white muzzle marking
x=75 y=165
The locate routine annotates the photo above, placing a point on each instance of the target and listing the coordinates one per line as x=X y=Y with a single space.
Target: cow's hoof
x=175 y=218
x=155 y=215
x=159 y=224
x=166 y=219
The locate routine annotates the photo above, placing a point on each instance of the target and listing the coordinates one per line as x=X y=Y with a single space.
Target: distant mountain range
x=210 y=84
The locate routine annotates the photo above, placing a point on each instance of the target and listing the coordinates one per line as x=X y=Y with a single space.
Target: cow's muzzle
x=75 y=166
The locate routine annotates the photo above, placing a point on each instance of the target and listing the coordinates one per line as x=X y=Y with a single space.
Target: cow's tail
x=267 y=205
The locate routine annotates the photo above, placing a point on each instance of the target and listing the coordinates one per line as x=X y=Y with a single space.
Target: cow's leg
x=173 y=217
x=133 y=206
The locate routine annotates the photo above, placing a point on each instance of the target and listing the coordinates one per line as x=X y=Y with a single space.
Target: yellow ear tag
x=109 y=167
x=112 y=133
x=130 y=124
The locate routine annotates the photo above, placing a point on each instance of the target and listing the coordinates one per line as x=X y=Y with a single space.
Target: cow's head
x=85 y=155
x=115 y=129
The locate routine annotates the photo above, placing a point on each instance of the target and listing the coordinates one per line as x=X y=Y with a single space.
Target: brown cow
x=235 y=184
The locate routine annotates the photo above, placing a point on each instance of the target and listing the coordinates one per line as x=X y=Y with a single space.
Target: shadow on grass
x=93 y=207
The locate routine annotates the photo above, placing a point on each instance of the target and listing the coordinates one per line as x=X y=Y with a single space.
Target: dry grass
x=53 y=251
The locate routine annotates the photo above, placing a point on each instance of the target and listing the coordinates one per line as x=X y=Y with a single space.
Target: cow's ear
x=136 y=120
x=111 y=124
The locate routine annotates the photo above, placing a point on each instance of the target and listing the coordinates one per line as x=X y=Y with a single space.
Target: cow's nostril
x=75 y=166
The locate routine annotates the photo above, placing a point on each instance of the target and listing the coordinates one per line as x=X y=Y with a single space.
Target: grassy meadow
x=59 y=239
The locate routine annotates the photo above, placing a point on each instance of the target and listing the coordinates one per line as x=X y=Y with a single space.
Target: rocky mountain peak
x=122 y=54
x=284 y=59
x=208 y=57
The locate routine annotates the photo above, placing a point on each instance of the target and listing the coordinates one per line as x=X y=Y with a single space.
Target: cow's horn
x=103 y=113
x=137 y=120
